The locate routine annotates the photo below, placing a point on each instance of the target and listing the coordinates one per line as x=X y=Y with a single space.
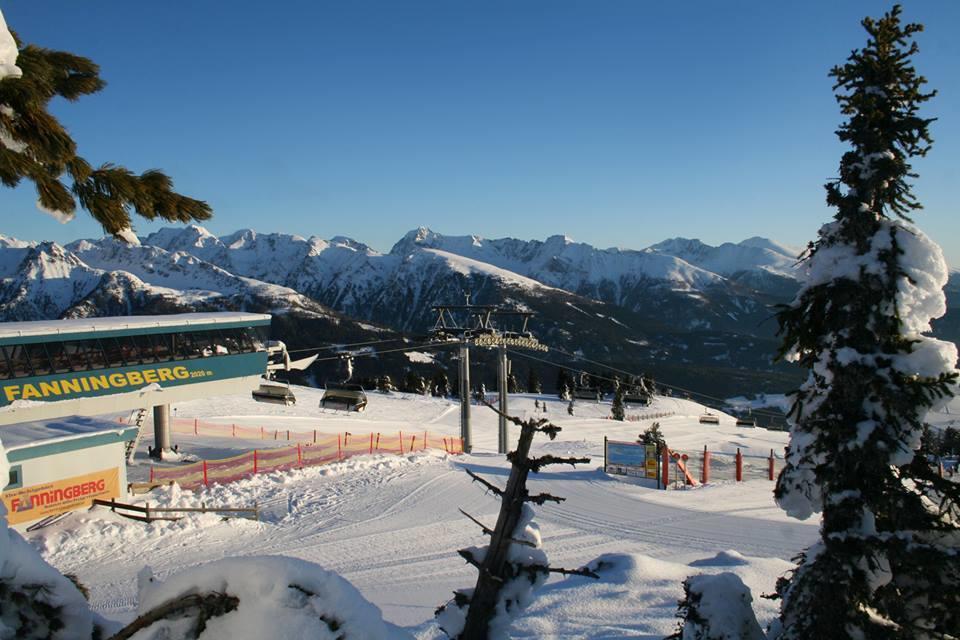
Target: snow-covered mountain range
x=677 y=303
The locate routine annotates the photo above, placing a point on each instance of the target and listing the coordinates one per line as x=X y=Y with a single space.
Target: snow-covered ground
x=391 y=526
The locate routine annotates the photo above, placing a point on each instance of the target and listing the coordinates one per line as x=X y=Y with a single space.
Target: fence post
x=261 y=432
x=151 y=474
x=771 y=465
x=739 y=465
x=424 y=439
x=234 y=425
x=413 y=443
x=378 y=441
x=339 y=450
x=666 y=467
x=276 y=434
x=401 y=443
x=705 y=472
x=255 y=461
x=196 y=426
x=445 y=446
x=314 y=436
x=288 y=435
x=371 y=442
x=205 y=472
x=299 y=456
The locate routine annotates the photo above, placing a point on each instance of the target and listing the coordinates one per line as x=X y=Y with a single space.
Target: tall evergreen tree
x=441 y=383
x=533 y=382
x=888 y=563
x=618 y=410
x=35 y=146
x=564 y=384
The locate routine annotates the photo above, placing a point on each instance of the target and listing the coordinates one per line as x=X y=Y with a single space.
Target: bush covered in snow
x=717 y=607
x=257 y=597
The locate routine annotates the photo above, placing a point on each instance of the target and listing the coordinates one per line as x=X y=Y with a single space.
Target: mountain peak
x=559 y=239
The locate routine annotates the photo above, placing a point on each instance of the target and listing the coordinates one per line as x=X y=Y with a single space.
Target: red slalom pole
x=705 y=472
x=771 y=474
x=666 y=467
x=739 y=465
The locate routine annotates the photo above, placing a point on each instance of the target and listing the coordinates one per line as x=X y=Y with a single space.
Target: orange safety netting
x=312 y=449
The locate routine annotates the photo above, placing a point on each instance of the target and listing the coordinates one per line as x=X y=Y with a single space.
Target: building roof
x=10 y=332
x=43 y=437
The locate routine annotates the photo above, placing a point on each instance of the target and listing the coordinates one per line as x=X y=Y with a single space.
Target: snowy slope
x=391 y=524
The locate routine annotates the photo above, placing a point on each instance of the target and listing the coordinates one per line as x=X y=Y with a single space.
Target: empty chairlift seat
x=347 y=396
x=274 y=393
x=709 y=418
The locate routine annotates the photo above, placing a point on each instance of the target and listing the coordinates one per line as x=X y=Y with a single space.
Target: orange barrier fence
x=323 y=449
x=715 y=465
x=637 y=417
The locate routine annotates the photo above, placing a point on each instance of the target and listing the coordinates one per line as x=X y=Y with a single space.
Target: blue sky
x=618 y=123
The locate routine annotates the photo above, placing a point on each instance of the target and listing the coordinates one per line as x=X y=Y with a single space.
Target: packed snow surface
x=390 y=524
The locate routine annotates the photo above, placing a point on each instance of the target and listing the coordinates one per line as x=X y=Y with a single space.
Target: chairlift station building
x=52 y=373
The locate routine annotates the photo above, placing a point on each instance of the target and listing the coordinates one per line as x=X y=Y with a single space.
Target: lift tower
x=473 y=325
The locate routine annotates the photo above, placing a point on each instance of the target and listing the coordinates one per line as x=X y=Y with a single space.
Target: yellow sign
x=95 y=382
x=47 y=499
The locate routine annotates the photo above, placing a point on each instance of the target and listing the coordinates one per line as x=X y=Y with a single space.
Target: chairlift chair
x=345 y=395
x=583 y=390
x=348 y=396
x=274 y=393
x=278 y=359
x=746 y=421
x=709 y=418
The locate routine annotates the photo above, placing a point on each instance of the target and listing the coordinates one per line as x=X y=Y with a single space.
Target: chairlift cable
x=759 y=412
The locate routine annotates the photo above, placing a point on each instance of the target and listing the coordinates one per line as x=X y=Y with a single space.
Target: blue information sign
x=631 y=459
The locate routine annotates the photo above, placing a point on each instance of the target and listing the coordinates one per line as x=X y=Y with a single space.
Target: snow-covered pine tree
x=653 y=435
x=385 y=384
x=441 y=383
x=888 y=563
x=618 y=410
x=34 y=145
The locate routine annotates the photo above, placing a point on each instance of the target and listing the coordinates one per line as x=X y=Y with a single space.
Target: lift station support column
x=502 y=373
x=161 y=430
x=465 y=398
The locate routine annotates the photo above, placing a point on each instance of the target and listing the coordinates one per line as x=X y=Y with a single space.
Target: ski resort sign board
x=69 y=494
x=630 y=459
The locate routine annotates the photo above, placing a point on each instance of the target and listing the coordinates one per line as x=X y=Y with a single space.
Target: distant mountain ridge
x=700 y=314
